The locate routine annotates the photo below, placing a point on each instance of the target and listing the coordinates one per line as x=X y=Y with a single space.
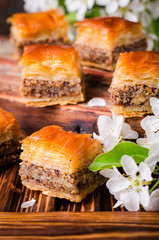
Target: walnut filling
x=9 y=152
x=98 y=55
x=133 y=95
x=39 y=89
x=53 y=179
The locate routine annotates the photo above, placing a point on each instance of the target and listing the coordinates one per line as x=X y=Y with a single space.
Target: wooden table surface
x=53 y=218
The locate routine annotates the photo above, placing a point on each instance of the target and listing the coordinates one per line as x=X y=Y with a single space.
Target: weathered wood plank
x=64 y=225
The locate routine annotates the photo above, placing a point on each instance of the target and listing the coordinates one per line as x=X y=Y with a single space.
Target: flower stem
x=154 y=186
x=156 y=173
x=155 y=179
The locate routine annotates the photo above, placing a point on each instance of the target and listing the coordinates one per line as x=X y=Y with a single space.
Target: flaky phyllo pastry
x=135 y=81
x=100 y=40
x=55 y=162
x=36 y=28
x=51 y=75
x=10 y=135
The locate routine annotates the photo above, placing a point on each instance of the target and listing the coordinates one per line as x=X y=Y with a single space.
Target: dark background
x=7 y=8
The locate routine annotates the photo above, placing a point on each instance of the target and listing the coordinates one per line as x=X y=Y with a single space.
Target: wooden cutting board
x=94 y=217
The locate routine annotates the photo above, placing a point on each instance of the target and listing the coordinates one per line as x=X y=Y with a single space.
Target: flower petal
x=144 y=142
x=123 y=3
x=99 y=138
x=153 y=201
x=140 y=6
x=108 y=173
x=102 y=2
x=107 y=125
x=144 y=196
x=73 y=6
x=104 y=124
x=146 y=19
x=111 y=7
x=154 y=102
x=90 y=3
x=117 y=184
x=28 y=203
x=118 y=203
x=150 y=44
x=96 y=102
x=128 y=133
x=130 y=200
x=109 y=142
x=129 y=165
x=131 y=16
x=153 y=157
x=145 y=171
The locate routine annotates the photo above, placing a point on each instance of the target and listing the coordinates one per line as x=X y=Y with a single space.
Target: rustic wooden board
x=94 y=217
x=63 y=225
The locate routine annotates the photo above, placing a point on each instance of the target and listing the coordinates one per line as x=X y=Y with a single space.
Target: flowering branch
x=130 y=189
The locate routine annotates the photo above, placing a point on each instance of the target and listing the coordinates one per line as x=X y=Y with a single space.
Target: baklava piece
x=55 y=162
x=51 y=75
x=37 y=28
x=135 y=81
x=10 y=135
x=100 y=40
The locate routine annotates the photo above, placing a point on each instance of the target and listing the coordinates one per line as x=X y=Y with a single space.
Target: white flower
x=96 y=102
x=80 y=6
x=111 y=130
x=39 y=5
x=153 y=202
x=28 y=203
x=132 y=190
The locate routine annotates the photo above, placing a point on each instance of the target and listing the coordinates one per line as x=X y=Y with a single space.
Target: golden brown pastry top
x=31 y=24
x=109 y=24
x=55 y=148
x=50 y=62
x=9 y=127
x=108 y=31
x=133 y=68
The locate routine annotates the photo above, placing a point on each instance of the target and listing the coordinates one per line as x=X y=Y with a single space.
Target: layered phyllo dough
x=51 y=75
x=10 y=135
x=36 y=28
x=135 y=81
x=100 y=40
x=55 y=162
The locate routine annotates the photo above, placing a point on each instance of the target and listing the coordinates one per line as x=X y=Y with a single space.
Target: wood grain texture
x=63 y=225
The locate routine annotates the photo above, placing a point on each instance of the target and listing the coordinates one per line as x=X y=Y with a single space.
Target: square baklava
x=51 y=75
x=10 y=136
x=35 y=28
x=55 y=162
x=100 y=40
x=135 y=81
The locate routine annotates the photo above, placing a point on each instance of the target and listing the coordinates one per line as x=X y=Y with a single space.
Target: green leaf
x=113 y=157
x=71 y=17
